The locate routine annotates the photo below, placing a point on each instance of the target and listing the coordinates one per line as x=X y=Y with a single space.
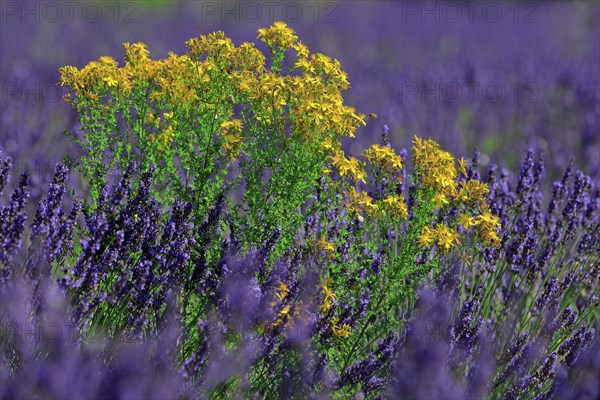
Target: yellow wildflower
x=108 y=61
x=446 y=237
x=358 y=201
x=304 y=65
x=489 y=219
x=384 y=156
x=110 y=81
x=328 y=293
x=326 y=305
x=349 y=166
x=397 y=205
x=328 y=248
x=301 y=50
x=492 y=238
x=339 y=330
x=339 y=161
x=232 y=145
x=136 y=53
x=439 y=199
x=234 y=124
x=331 y=144
x=436 y=166
x=68 y=75
x=283 y=314
x=285 y=310
x=487 y=226
x=358 y=169
x=328 y=297
x=466 y=220
x=282 y=291
x=165 y=138
x=325 y=246
x=360 y=118
x=141 y=49
x=472 y=192
x=373 y=209
x=278 y=35
x=426 y=238
x=463 y=166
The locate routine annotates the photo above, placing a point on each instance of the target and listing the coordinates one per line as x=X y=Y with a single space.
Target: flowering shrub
x=329 y=275
x=213 y=117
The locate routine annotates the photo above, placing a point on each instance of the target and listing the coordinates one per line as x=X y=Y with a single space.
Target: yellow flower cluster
x=487 y=226
x=396 y=205
x=103 y=74
x=349 y=166
x=166 y=135
x=232 y=135
x=281 y=293
x=327 y=247
x=215 y=70
x=320 y=64
x=339 y=330
x=438 y=172
x=153 y=120
x=342 y=330
x=436 y=167
x=442 y=234
x=164 y=138
x=318 y=106
x=384 y=158
x=466 y=220
x=328 y=297
x=278 y=35
x=136 y=53
x=287 y=313
x=358 y=202
x=214 y=45
x=314 y=103
x=462 y=165
x=472 y=192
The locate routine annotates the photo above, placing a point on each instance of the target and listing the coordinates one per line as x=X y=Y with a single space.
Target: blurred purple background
x=501 y=75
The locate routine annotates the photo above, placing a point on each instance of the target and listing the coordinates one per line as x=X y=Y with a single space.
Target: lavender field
x=321 y=199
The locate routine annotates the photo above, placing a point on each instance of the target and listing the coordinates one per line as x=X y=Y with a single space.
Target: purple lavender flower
x=418 y=372
x=12 y=226
x=44 y=356
x=580 y=381
x=573 y=345
x=6 y=165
